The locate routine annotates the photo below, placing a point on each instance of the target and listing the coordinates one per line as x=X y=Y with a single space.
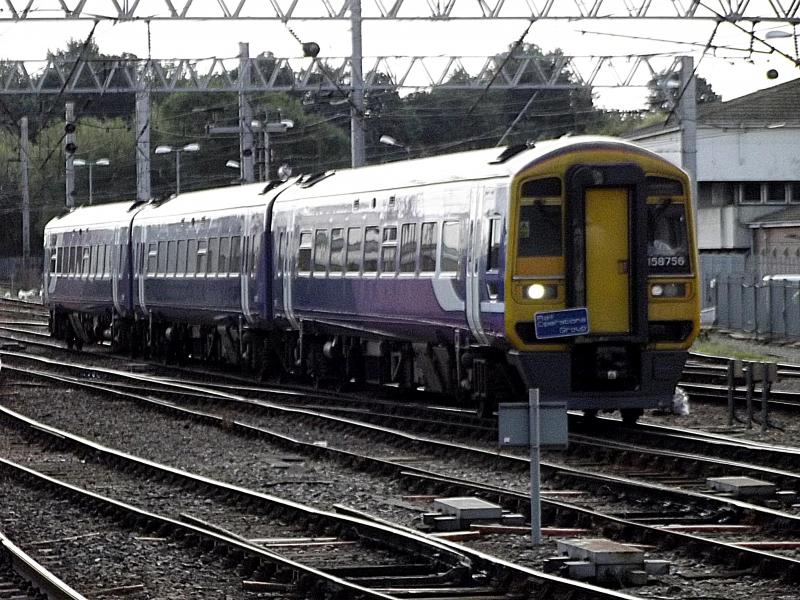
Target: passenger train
x=446 y=273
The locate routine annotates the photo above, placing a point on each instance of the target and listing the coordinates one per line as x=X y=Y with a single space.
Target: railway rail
x=23 y=577
x=484 y=567
x=713 y=549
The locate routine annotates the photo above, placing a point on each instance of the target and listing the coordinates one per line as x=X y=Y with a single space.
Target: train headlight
x=539 y=291
x=668 y=290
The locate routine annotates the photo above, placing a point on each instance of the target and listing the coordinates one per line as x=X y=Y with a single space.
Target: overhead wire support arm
x=58 y=76
x=284 y=10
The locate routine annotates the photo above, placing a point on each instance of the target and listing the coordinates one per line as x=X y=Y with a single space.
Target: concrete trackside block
x=636 y=577
x=657 y=567
x=447 y=523
x=741 y=486
x=601 y=552
x=579 y=569
x=468 y=508
x=512 y=519
x=554 y=564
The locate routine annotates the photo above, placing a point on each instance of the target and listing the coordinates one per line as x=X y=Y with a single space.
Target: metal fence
x=746 y=302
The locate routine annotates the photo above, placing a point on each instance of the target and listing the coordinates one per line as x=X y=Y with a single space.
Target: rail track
x=414 y=474
x=725 y=531
x=465 y=574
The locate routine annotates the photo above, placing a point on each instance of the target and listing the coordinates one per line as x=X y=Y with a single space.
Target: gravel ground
x=253 y=463
x=711 y=416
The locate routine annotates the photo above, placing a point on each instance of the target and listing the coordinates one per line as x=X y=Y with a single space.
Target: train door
x=607 y=233
x=475 y=246
x=244 y=270
x=608 y=260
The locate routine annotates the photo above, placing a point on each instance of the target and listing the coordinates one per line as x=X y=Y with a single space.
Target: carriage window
x=162 y=257
x=201 y=258
x=236 y=253
x=337 y=248
x=87 y=259
x=101 y=260
x=109 y=258
x=211 y=255
x=60 y=260
x=408 y=248
x=172 y=257
x=495 y=233
x=372 y=241
x=93 y=262
x=182 y=255
x=389 y=250
x=427 y=252
x=321 y=250
x=152 y=258
x=255 y=250
x=224 y=252
x=667 y=238
x=304 y=254
x=450 y=245
x=78 y=259
x=540 y=228
x=354 y=249
x=73 y=253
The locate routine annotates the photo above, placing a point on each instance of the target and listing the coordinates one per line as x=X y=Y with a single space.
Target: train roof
x=462 y=166
x=93 y=217
x=207 y=201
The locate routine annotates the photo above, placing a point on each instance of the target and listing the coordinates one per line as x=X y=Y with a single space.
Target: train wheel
x=630 y=415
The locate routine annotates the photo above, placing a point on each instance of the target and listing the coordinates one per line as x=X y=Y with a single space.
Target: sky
x=733 y=67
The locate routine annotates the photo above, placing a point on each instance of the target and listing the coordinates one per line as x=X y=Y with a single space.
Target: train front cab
x=609 y=229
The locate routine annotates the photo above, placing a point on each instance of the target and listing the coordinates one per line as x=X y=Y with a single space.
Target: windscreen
x=667 y=238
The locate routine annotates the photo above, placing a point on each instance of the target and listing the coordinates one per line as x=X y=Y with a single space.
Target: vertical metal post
x=687 y=110
x=731 y=388
x=177 y=172
x=266 y=150
x=536 y=493
x=26 y=199
x=69 y=138
x=750 y=385
x=89 y=164
x=142 y=145
x=765 y=387
x=245 y=116
x=357 y=100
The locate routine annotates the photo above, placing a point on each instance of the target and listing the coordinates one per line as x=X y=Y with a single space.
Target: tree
x=665 y=90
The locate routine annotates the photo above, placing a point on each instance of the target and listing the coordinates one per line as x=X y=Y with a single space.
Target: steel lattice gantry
x=271 y=74
x=122 y=10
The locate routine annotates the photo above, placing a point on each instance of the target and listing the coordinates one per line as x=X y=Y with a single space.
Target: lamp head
x=310 y=49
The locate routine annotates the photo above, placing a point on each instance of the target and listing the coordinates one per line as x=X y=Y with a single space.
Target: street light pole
x=100 y=162
x=194 y=147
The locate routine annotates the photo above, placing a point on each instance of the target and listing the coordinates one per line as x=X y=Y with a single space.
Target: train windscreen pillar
x=537 y=425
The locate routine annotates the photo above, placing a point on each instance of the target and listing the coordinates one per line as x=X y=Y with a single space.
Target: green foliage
x=426 y=123
x=665 y=89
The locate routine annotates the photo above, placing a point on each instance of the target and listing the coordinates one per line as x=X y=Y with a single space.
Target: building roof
x=771 y=106
x=774 y=106
x=784 y=217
